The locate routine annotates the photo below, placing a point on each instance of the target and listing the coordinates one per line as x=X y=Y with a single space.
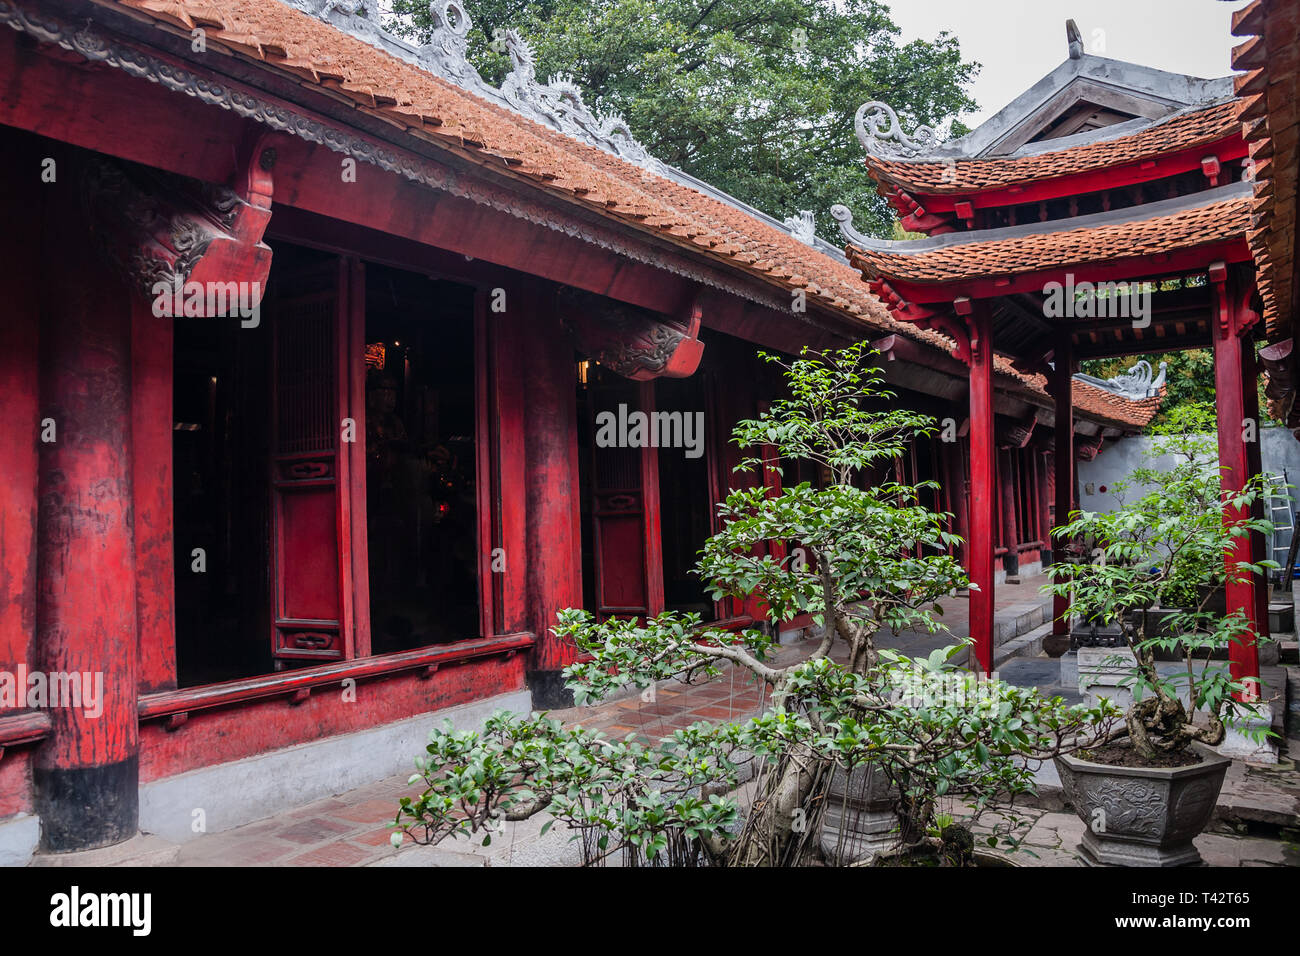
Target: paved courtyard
x=1256 y=825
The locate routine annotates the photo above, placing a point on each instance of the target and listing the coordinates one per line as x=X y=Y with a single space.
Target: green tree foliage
x=755 y=97
x=868 y=560
x=1164 y=550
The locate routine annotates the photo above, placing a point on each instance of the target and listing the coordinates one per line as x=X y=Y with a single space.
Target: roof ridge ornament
x=447 y=52
x=844 y=216
x=804 y=226
x=557 y=103
x=1135 y=385
x=1074 y=39
x=881 y=134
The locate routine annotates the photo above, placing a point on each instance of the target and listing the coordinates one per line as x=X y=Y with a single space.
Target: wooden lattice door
x=311 y=569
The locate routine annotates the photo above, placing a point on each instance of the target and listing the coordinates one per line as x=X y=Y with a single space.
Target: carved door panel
x=311 y=586
x=624 y=508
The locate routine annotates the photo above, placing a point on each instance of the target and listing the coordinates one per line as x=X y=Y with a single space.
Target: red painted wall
x=223 y=734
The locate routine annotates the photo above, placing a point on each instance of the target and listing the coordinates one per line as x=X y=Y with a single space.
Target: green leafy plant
x=868 y=558
x=1164 y=550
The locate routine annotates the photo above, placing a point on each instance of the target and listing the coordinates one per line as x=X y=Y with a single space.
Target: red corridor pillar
x=1234 y=459
x=86 y=772
x=1063 y=461
x=982 y=451
x=554 y=521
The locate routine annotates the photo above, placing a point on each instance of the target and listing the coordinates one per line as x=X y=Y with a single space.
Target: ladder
x=1283 y=517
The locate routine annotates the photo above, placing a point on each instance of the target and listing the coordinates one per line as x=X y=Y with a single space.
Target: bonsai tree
x=869 y=558
x=1165 y=549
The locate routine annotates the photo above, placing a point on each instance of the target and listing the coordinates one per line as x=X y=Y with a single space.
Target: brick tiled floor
x=349 y=829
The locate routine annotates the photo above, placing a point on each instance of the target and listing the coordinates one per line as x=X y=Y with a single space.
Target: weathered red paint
x=650 y=505
x=221 y=734
x=86 y=608
x=19 y=410
x=554 y=531
x=508 y=337
x=151 y=479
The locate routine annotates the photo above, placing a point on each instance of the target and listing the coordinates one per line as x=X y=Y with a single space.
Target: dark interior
x=420 y=477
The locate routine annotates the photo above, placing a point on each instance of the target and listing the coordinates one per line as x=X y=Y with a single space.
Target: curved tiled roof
x=428 y=107
x=1184 y=130
x=1109 y=408
x=1270 y=125
x=1036 y=251
x=432 y=108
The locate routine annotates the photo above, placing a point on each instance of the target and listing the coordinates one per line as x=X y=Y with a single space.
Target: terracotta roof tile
x=1181 y=131
x=1052 y=250
x=1107 y=407
x=431 y=108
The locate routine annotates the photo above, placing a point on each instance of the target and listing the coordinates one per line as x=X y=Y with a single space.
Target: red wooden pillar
x=1010 y=532
x=650 y=503
x=1234 y=460
x=20 y=411
x=151 y=479
x=983 y=453
x=1063 y=460
x=954 y=472
x=503 y=497
x=87 y=771
x=1254 y=457
x=554 y=517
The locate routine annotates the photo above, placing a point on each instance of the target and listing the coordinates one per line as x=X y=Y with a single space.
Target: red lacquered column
x=86 y=772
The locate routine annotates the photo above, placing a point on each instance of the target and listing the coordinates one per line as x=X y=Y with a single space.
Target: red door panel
x=309 y=581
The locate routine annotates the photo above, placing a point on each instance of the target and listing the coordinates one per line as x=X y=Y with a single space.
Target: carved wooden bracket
x=1017 y=434
x=1086 y=449
x=164 y=230
x=925 y=317
x=635 y=343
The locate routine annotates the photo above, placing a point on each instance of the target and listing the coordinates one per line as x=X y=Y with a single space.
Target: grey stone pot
x=1142 y=816
x=867 y=813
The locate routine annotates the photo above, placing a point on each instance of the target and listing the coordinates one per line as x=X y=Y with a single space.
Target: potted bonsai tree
x=1157 y=564
x=881 y=738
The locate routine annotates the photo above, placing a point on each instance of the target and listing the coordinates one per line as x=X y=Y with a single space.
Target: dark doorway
x=685 y=494
x=420 y=479
x=222 y=433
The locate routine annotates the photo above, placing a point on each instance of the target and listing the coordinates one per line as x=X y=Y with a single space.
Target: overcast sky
x=1019 y=41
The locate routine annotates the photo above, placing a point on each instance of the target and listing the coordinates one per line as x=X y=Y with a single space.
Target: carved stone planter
x=862 y=805
x=1142 y=816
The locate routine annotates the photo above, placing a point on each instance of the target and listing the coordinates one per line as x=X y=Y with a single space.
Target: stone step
x=143 y=849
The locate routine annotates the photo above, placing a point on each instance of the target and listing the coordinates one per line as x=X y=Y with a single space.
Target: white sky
x=1020 y=41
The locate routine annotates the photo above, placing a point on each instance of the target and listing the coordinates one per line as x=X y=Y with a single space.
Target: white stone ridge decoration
x=1135 y=384
x=557 y=103
x=881 y=134
x=803 y=226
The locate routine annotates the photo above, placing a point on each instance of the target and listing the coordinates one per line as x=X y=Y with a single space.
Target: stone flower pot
x=1142 y=816
x=868 y=814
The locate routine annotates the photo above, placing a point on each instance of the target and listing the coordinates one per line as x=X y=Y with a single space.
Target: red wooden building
x=309 y=332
